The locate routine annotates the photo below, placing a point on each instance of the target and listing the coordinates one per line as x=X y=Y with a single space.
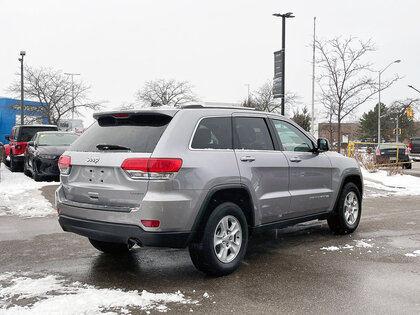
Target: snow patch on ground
x=363 y=243
x=416 y=253
x=20 y=195
x=386 y=185
x=51 y=294
x=330 y=248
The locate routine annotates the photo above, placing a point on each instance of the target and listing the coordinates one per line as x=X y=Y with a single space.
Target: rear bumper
x=414 y=156
x=122 y=233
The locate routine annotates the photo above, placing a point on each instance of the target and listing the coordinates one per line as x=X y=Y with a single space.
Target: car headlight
x=47 y=156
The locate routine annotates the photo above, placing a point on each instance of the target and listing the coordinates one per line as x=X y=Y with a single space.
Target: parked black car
x=387 y=153
x=43 y=151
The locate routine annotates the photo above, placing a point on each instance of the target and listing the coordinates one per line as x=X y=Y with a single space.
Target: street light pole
x=379 y=97
x=22 y=121
x=410 y=86
x=283 y=48
x=248 y=85
x=72 y=91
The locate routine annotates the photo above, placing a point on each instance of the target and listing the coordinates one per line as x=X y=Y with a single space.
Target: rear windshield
x=26 y=133
x=57 y=139
x=139 y=133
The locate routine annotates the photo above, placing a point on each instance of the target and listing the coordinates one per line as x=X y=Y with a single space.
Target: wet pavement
x=284 y=271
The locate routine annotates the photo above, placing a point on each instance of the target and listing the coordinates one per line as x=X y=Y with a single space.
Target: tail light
x=409 y=144
x=407 y=151
x=150 y=223
x=378 y=152
x=151 y=168
x=19 y=149
x=64 y=164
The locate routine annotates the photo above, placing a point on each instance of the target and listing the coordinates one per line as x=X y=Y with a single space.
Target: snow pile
x=397 y=184
x=416 y=253
x=20 y=195
x=363 y=243
x=51 y=294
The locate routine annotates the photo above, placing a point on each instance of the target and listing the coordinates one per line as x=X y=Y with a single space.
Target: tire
x=14 y=167
x=35 y=175
x=346 y=218
x=25 y=169
x=408 y=166
x=204 y=254
x=111 y=248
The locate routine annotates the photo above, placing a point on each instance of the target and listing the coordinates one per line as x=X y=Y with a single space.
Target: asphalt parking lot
x=302 y=269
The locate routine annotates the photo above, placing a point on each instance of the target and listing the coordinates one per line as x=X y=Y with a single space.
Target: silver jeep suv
x=201 y=177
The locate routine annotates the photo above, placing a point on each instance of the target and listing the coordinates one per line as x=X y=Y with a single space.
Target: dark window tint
x=252 y=134
x=213 y=133
x=137 y=133
x=292 y=139
x=27 y=133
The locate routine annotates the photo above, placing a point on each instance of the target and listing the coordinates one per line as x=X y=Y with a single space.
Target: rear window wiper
x=112 y=147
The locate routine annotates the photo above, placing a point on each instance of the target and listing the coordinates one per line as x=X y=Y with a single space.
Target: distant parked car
x=43 y=151
x=15 y=150
x=414 y=148
x=387 y=153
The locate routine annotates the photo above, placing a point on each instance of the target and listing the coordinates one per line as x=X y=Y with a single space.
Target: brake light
x=409 y=144
x=378 y=152
x=120 y=115
x=150 y=223
x=407 y=151
x=151 y=168
x=64 y=164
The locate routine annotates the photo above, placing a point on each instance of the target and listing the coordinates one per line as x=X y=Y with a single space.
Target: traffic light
x=395 y=130
x=410 y=112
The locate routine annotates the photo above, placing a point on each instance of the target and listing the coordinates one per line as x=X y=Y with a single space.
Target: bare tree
x=345 y=79
x=262 y=99
x=166 y=92
x=54 y=91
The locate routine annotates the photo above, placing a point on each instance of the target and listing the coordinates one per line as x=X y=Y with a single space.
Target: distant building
x=10 y=115
x=348 y=131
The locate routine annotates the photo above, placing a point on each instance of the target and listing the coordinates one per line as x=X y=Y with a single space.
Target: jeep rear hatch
x=99 y=175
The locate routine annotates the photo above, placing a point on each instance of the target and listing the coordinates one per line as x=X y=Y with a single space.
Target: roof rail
x=215 y=107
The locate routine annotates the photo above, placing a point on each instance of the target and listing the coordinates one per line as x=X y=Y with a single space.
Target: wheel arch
x=236 y=193
x=351 y=178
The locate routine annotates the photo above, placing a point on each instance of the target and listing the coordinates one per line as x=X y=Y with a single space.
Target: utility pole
x=248 y=85
x=72 y=92
x=397 y=131
x=283 y=48
x=22 y=121
x=313 y=83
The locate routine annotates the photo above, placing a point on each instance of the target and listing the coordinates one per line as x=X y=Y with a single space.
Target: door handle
x=295 y=159
x=247 y=159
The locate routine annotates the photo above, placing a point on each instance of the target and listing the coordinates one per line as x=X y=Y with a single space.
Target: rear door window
x=251 y=133
x=213 y=133
x=136 y=133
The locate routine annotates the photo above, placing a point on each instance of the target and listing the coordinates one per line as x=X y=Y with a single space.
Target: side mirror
x=30 y=144
x=323 y=145
x=7 y=137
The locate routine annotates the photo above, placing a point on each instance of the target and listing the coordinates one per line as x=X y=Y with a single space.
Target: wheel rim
x=227 y=239
x=351 y=208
